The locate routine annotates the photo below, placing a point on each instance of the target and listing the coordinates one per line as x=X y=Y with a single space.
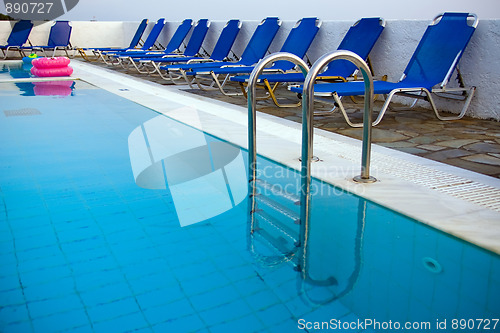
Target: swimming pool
x=96 y=238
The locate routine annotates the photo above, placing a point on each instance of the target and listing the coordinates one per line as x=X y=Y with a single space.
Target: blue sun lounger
x=59 y=39
x=148 y=45
x=298 y=42
x=134 y=43
x=171 y=51
x=254 y=51
x=360 y=39
x=428 y=71
x=173 y=46
x=17 y=38
x=220 y=52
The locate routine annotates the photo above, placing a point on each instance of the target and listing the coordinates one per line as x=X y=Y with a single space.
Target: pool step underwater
x=277 y=190
x=277 y=222
x=278 y=208
x=276 y=234
x=279 y=226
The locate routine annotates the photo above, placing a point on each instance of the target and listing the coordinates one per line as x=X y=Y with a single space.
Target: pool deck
x=468 y=143
x=453 y=199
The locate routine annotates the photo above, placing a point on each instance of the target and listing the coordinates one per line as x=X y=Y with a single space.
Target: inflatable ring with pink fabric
x=51 y=67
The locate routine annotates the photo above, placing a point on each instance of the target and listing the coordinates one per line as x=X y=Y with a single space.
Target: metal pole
x=308 y=128
x=252 y=114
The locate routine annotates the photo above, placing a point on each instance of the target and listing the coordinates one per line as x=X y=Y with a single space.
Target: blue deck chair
x=59 y=39
x=148 y=45
x=17 y=38
x=134 y=43
x=172 y=50
x=298 y=42
x=428 y=71
x=220 y=52
x=254 y=51
x=173 y=46
x=360 y=39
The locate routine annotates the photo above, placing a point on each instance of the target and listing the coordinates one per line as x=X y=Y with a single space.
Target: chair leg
x=156 y=68
x=470 y=94
x=338 y=102
x=243 y=90
x=271 y=93
x=82 y=54
x=106 y=61
x=169 y=75
x=220 y=86
x=138 y=66
x=198 y=80
x=179 y=79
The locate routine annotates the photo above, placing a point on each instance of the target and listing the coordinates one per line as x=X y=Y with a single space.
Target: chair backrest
x=138 y=34
x=153 y=35
x=20 y=33
x=226 y=40
x=440 y=48
x=260 y=41
x=178 y=37
x=197 y=37
x=60 y=33
x=298 y=41
x=360 y=39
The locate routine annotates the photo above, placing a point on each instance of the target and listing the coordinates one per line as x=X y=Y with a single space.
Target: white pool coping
x=428 y=191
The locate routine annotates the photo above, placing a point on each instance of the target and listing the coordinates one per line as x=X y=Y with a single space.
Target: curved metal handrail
x=308 y=128
x=252 y=115
x=307 y=136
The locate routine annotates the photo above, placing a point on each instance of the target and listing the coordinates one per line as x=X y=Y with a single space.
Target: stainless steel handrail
x=252 y=112
x=308 y=128
x=252 y=115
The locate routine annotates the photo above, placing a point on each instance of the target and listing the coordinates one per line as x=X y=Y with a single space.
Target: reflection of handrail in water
x=353 y=278
x=270 y=260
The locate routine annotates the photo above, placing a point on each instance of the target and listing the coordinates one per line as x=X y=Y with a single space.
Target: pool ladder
x=257 y=216
x=275 y=219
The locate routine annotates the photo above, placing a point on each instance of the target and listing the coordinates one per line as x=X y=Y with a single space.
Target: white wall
x=479 y=64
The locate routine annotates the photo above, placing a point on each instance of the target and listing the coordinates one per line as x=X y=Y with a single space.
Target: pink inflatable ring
x=50 y=72
x=56 y=62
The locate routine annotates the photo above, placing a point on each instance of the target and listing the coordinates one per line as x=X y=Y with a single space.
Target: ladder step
x=281 y=209
x=278 y=243
x=278 y=191
x=277 y=225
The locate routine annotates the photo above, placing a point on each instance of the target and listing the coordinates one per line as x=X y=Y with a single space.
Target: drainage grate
x=456 y=186
x=22 y=112
x=444 y=182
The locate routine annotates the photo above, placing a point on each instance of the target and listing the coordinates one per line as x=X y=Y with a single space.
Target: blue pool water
x=114 y=218
x=15 y=70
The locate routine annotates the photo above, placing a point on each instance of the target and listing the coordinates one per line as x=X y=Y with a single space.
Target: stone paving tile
x=490 y=170
x=431 y=147
x=484 y=159
x=456 y=143
x=448 y=153
x=467 y=143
